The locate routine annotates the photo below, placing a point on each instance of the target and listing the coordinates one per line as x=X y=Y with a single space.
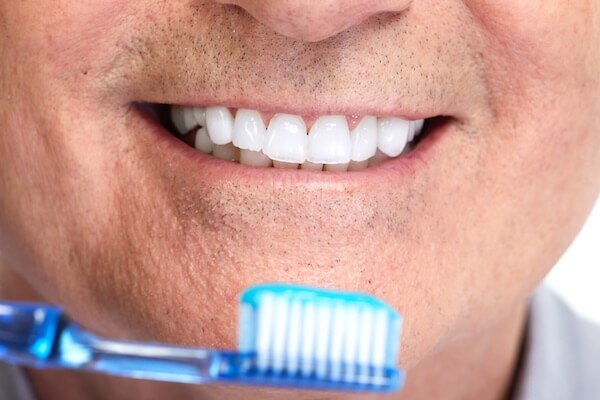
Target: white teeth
x=329 y=141
x=248 y=130
x=286 y=139
x=200 y=115
x=219 y=123
x=254 y=158
x=392 y=135
x=183 y=119
x=364 y=139
x=337 y=167
x=378 y=158
x=358 y=165
x=203 y=142
x=329 y=146
x=227 y=152
x=411 y=131
x=415 y=129
x=285 y=165
x=419 y=126
x=309 y=166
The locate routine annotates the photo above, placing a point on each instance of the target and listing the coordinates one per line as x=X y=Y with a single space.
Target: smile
x=334 y=143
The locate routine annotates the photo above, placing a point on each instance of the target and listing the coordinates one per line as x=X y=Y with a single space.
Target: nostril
x=315 y=20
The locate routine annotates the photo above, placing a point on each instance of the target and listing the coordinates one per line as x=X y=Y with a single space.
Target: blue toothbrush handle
x=83 y=351
x=41 y=336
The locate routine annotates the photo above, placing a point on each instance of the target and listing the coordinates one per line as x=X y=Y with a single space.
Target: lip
x=398 y=169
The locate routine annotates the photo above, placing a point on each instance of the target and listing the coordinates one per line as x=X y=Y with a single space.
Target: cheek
x=536 y=53
x=64 y=46
x=525 y=25
x=539 y=182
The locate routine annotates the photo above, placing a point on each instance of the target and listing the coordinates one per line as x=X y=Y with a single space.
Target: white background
x=577 y=276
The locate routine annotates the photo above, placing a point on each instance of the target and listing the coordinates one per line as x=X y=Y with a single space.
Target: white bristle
x=366 y=338
x=323 y=344
x=380 y=339
x=308 y=338
x=392 y=343
x=312 y=334
x=246 y=342
x=280 y=333
x=266 y=313
x=351 y=343
x=337 y=341
x=294 y=340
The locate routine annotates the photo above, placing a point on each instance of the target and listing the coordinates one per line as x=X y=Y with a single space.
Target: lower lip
x=399 y=169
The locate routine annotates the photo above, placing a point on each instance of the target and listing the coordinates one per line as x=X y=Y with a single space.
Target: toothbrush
x=289 y=336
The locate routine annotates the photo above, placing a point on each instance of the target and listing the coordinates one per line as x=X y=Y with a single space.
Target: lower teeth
x=258 y=159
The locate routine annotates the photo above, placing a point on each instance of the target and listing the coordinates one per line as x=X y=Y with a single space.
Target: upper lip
x=282 y=94
x=309 y=102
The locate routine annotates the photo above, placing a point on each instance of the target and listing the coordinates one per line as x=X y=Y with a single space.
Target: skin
x=143 y=241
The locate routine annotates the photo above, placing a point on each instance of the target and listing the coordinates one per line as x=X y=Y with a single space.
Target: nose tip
x=315 y=20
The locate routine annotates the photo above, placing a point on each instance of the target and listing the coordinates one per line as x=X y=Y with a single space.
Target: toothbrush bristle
x=317 y=334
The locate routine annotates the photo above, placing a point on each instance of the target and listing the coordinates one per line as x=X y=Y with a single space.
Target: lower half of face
x=146 y=234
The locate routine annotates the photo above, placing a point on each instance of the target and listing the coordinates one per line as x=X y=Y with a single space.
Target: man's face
x=141 y=236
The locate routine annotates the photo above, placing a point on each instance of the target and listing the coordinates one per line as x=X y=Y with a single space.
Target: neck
x=478 y=367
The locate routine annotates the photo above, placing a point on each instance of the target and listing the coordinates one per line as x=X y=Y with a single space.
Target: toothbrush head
x=316 y=338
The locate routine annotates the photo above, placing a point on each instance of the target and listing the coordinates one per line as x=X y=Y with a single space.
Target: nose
x=315 y=20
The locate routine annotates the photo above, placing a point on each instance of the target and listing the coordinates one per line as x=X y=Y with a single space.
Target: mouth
x=331 y=143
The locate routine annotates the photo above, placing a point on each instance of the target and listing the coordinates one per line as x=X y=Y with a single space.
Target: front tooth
x=227 y=152
x=392 y=135
x=200 y=115
x=248 y=130
x=364 y=139
x=219 y=122
x=285 y=139
x=285 y=165
x=337 y=167
x=329 y=141
x=358 y=165
x=203 y=142
x=254 y=158
x=183 y=118
x=309 y=166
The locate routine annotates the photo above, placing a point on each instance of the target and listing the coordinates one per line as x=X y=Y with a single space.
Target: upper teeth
x=364 y=139
x=249 y=130
x=219 y=123
x=392 y=135
x=329 y=141
x=285 y=140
